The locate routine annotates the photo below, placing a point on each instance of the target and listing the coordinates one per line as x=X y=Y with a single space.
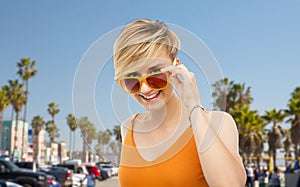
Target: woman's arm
x=215 y=133
x=216 y=138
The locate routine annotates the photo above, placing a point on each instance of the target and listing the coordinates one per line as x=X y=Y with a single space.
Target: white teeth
x=150 y=96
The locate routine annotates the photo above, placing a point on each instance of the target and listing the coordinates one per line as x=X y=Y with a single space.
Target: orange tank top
x=179 y=166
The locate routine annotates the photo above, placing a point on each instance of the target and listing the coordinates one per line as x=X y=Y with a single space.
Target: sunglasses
x=132 y=85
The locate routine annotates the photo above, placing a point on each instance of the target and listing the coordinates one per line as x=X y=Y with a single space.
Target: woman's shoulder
x=220 y=120
x=219 y=116
x=223 y=126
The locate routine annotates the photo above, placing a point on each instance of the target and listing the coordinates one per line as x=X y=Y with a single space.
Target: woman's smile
x=149 y=98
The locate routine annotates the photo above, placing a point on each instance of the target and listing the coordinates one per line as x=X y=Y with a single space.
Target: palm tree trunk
x=119 y=152
x=286 y=159
x=274 y=159
x=37 y=148
x=26 y=98
x=83 y=150
x=23 y=148
x=258 y=161
x=74 y=140
x=70 y=146
x=24 y=120
x=16 y=132
x=11 y=151
x=1 y=119
x=296 y=151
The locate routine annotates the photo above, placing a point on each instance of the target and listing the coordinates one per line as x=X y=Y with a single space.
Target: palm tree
x=250 y=132
x=117 y=133
x=71 y=121
x=228 y=94
x=52 y=131
x=294 y=112
x=276 y=134
x=103 y=138
x=4 y=102
x=26 y=71
x=88 y=133
x=51 y=127
x=287 y=145
x=53 y=110
x=115 y=146
x=17 y=98
x=37 y=125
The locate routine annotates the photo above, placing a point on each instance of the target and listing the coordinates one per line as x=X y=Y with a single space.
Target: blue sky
x=254 y=42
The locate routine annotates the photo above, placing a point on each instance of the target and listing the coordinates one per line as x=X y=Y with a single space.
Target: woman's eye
x=155 y=70
x=133 y=75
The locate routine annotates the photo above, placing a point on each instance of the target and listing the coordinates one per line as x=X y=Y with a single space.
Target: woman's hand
x=185 y=83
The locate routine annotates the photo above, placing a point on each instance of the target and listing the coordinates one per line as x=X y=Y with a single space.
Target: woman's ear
x=176 y=61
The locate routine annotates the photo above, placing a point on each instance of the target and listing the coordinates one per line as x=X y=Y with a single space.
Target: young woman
x=175 y=142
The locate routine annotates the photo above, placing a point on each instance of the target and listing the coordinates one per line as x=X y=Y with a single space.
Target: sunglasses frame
x=141 y=80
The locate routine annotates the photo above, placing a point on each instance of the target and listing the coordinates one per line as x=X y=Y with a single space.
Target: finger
x=174 y=80
x=183 y=76
x=173 y=67
x=181 y=73
x=167 y=69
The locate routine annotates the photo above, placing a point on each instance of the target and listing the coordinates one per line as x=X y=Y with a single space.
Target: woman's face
x=147 y=97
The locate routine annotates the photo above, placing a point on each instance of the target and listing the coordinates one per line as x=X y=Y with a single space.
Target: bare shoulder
x=222 y=125
x=228 y=132
x=222 y=117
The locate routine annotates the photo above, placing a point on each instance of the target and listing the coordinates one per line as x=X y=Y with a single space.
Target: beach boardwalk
x=111 y=182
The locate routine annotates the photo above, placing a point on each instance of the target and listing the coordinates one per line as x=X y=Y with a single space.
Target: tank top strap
x=132 y=121
x=129 y=136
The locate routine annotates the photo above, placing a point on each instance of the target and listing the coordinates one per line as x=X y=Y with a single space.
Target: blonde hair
x=140 y=40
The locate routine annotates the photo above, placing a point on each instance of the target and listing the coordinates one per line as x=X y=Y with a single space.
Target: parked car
x=71 y=167
x=111 y=168
x=94 y=170
x=79 y=173
x=27 y=165
x=5 y=157
x=63 y=175
x=4 y=183
x=104 y=174
x=26 y=178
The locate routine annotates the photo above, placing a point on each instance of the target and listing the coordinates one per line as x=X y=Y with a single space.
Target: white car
x=9 y=184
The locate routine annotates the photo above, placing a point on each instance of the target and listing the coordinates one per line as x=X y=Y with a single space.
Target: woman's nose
x=145 y=88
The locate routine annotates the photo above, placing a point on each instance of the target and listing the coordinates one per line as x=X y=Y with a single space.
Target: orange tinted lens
x=130 y=85
x=157 y=81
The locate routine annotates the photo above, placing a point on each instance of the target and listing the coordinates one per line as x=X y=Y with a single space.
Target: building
x=81 y=156
x=38 y=146
x=62 y=151
x=52 y=154
x=11 y=138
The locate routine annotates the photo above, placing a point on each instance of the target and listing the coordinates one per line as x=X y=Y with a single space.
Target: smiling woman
x=172 y=143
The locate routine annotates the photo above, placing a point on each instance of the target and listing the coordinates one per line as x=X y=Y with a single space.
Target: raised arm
x=216 y=138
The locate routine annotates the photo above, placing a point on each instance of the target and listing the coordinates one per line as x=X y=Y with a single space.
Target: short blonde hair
x=142 y=39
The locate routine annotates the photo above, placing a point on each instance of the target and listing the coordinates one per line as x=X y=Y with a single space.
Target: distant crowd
x=271 y=179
